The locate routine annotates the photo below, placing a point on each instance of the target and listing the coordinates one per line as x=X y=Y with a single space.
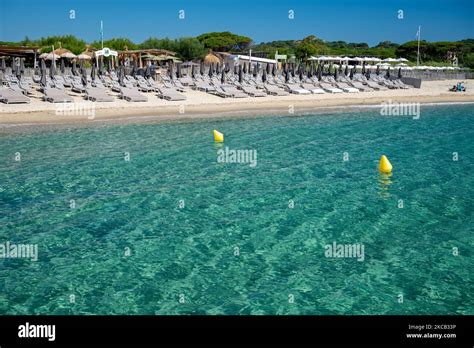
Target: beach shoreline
x=200 y=105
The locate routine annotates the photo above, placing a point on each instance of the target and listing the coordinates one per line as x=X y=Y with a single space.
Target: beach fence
x=427 y=75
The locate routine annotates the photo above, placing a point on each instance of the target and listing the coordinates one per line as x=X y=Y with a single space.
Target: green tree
x=409 y=50
x=119 y=44
x=164 y=44
x=224 y=41
x=308 y=47
x=190 y=48
x=69 y=42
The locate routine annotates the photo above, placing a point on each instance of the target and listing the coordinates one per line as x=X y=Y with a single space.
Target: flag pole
x=418 y=53
x=102 y=33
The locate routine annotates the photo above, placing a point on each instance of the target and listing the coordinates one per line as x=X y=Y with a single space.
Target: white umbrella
x=83 y=56
x=68 y=55
x=402 y=60
x=51 y=56
x=358 y=59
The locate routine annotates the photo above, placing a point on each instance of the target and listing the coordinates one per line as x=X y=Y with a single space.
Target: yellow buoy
x=384 y=165
x=218 y=136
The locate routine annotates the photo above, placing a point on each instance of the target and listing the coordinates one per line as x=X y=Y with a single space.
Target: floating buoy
x=218 y=136
x=384 y=165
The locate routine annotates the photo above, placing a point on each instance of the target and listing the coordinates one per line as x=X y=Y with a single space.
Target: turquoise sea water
x=129 y=248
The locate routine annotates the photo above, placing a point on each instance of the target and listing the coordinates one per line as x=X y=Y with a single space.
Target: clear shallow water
x=190 y=251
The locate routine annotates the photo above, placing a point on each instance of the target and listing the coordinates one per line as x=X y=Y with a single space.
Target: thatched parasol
x=211 y=59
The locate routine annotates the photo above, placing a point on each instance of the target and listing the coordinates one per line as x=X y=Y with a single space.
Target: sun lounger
x=376 y=86
x=252 y=91
x=346 y=88
x=296 y=89
x=384 y=82
x=115 y=86
x=55 y=95
x=10 y=96
x=132 y=95
x=233 y=91
x=330 y=88
x=98 y=94
x=204 y=86
x=143 y=86
x=312 y=88
x=401 y=84
x=274 y=90
x=361 y=87
x=184 y=81
x=76 y=85
x=170 y=94
x=20 y=88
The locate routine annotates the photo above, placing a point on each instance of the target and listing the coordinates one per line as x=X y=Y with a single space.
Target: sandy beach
x=203 y=105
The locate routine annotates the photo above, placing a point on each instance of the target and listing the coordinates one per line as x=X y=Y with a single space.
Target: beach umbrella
x=62 y=67
x=244 y=69
x=217 y=68
x=335 y=74
x=388 y=73
x=16 y=71
x=43 y=73
x=340 y=68
x=210 y=70
x=351 y=76
x=320 y=72
x=255 y=70
x=330 y=68
x=274 y=70
x=22 y=65
x=287 y=76
x=84 y=76
x=52 y=70
x=93 y=72
x=2 y=64
x=148 y=71
x=264 y=75
x=268 y=68
x=240 y=73
x=134 y=69
x=74 y=69
x=377 y=71
x=368 y=74
x=192 y=71
x=201 y=68
x=301 y=75
x=363 y=68
x=121 y=75
x=223 y=76
x=171 y=70
x=227 y=68
x=346 y=71
x=178 y=71
x=101 y=67
x=399 y=73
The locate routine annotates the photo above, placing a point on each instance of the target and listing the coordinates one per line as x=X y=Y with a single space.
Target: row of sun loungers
x=132 y=88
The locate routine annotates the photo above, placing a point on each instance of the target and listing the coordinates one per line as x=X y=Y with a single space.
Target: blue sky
x=263 y=20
